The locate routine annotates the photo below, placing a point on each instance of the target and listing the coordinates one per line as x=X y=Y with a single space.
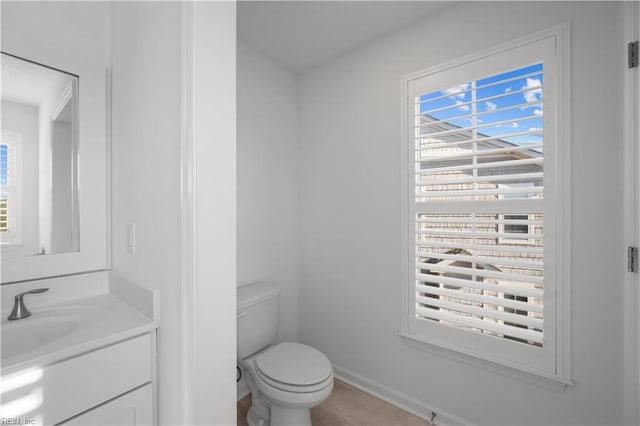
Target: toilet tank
x=257 y=317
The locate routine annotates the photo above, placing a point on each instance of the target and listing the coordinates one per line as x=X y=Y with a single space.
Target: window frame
x=502 y=229
x=557 y=370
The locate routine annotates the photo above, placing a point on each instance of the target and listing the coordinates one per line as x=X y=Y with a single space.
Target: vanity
x=84 y=360
x=86 y=352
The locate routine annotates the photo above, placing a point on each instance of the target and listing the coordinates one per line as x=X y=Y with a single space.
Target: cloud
x=461 y=106
x=511 y=125
x=534 y=94
x=508 y=90
x=537 y=111
x=490 y=106
x=535 y=129
x=457 y=91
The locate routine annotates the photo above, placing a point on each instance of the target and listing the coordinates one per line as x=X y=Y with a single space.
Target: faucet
x=19 y=310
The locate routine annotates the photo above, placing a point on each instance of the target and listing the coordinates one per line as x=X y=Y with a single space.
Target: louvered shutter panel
x=5 y=171
x=10 y=200
x=486 y=206
x=479 y=205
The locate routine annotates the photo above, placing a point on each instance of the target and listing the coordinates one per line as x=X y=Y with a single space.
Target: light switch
x=131 y=237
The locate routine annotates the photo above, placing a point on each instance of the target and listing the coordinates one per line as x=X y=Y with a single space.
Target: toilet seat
x=294 y=388
x=294 y=367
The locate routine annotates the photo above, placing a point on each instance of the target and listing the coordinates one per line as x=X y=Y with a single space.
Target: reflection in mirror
x=38 y=160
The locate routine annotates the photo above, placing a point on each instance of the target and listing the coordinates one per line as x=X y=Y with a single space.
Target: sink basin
x=63 y=330
x=24 y=335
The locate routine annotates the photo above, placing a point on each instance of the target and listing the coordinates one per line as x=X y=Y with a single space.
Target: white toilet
x=287 y=379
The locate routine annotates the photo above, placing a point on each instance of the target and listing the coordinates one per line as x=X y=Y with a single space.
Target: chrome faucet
x=19 y=310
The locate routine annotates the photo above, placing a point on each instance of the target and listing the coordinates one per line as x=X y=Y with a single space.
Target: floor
x=348 y=406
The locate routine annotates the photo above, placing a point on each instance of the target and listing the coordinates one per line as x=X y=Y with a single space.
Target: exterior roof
x=434 y=261
x=467 y=134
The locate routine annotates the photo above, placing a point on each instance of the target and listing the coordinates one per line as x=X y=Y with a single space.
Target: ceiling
x=29 y=83
x=303 y=34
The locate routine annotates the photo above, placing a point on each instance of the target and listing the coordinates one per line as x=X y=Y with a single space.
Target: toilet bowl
x=291 y=378
x=286 y=380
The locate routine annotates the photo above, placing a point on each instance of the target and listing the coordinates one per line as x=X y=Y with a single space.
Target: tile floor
x=348 y=406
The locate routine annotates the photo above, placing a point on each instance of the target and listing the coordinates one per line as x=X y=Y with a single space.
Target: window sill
x=518 y=372
x=517 y=242
x=11 y=245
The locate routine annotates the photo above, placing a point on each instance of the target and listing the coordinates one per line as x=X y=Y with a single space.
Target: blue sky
x=494 y=95
x=3 y=165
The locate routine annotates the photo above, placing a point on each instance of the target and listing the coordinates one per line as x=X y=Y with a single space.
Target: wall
x=349 y=177
x=81 y=28
x=50 y=150
x=267 y=181
x=24 y=120
x=212 y=203
x=146 y=132
x=61 y=186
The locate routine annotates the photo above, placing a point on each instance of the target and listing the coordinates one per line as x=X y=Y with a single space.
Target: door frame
x=631 y=176
x=208 y=210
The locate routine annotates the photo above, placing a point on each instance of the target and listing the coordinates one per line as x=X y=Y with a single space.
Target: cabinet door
x=68 y=388
x=132 y=409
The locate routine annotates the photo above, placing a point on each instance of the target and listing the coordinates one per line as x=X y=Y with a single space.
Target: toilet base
x=290 y=416
x=260 y=415
x=255 y=416
x=271 y=406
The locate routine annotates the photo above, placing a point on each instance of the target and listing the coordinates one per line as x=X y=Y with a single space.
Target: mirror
x=67 y=231
x=39 y=212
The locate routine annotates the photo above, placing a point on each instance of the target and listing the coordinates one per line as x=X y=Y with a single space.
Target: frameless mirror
x=38 y=160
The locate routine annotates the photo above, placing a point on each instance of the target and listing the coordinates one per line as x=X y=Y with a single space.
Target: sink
x=24 y=335
x=63 y=330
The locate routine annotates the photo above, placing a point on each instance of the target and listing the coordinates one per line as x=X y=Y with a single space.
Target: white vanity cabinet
x=85 y=361
x=111 y=385
x=116 y=380
x=134 y=408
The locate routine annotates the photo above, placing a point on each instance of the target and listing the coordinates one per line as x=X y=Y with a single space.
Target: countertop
x=101 y=320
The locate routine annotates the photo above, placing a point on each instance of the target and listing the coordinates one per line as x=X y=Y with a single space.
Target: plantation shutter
x=9 y=188
x=481 y=200
x=5 y=155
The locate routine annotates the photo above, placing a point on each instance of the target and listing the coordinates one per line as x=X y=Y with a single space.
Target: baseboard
x=403 y=401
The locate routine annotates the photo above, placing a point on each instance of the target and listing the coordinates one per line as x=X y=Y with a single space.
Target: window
x=511 y=224
x=484 y=211
x=516 y=224
x=4 y=198
x=10 y=202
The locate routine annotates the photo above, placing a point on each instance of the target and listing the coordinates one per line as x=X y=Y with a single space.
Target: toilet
x=287 y=379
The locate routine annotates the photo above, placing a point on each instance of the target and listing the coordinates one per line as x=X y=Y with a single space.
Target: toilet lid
x=294 y=364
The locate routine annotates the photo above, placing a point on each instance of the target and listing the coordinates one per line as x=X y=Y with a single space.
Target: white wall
x=267 y=181
x=146 y=129
x=82 y=28
x=24 y=120
x=349 y=174
x=48 y=131
x=213 y=98
x=62 y=187
x=146 y=135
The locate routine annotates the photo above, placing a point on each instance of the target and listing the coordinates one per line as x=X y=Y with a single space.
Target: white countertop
x=98 y=321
